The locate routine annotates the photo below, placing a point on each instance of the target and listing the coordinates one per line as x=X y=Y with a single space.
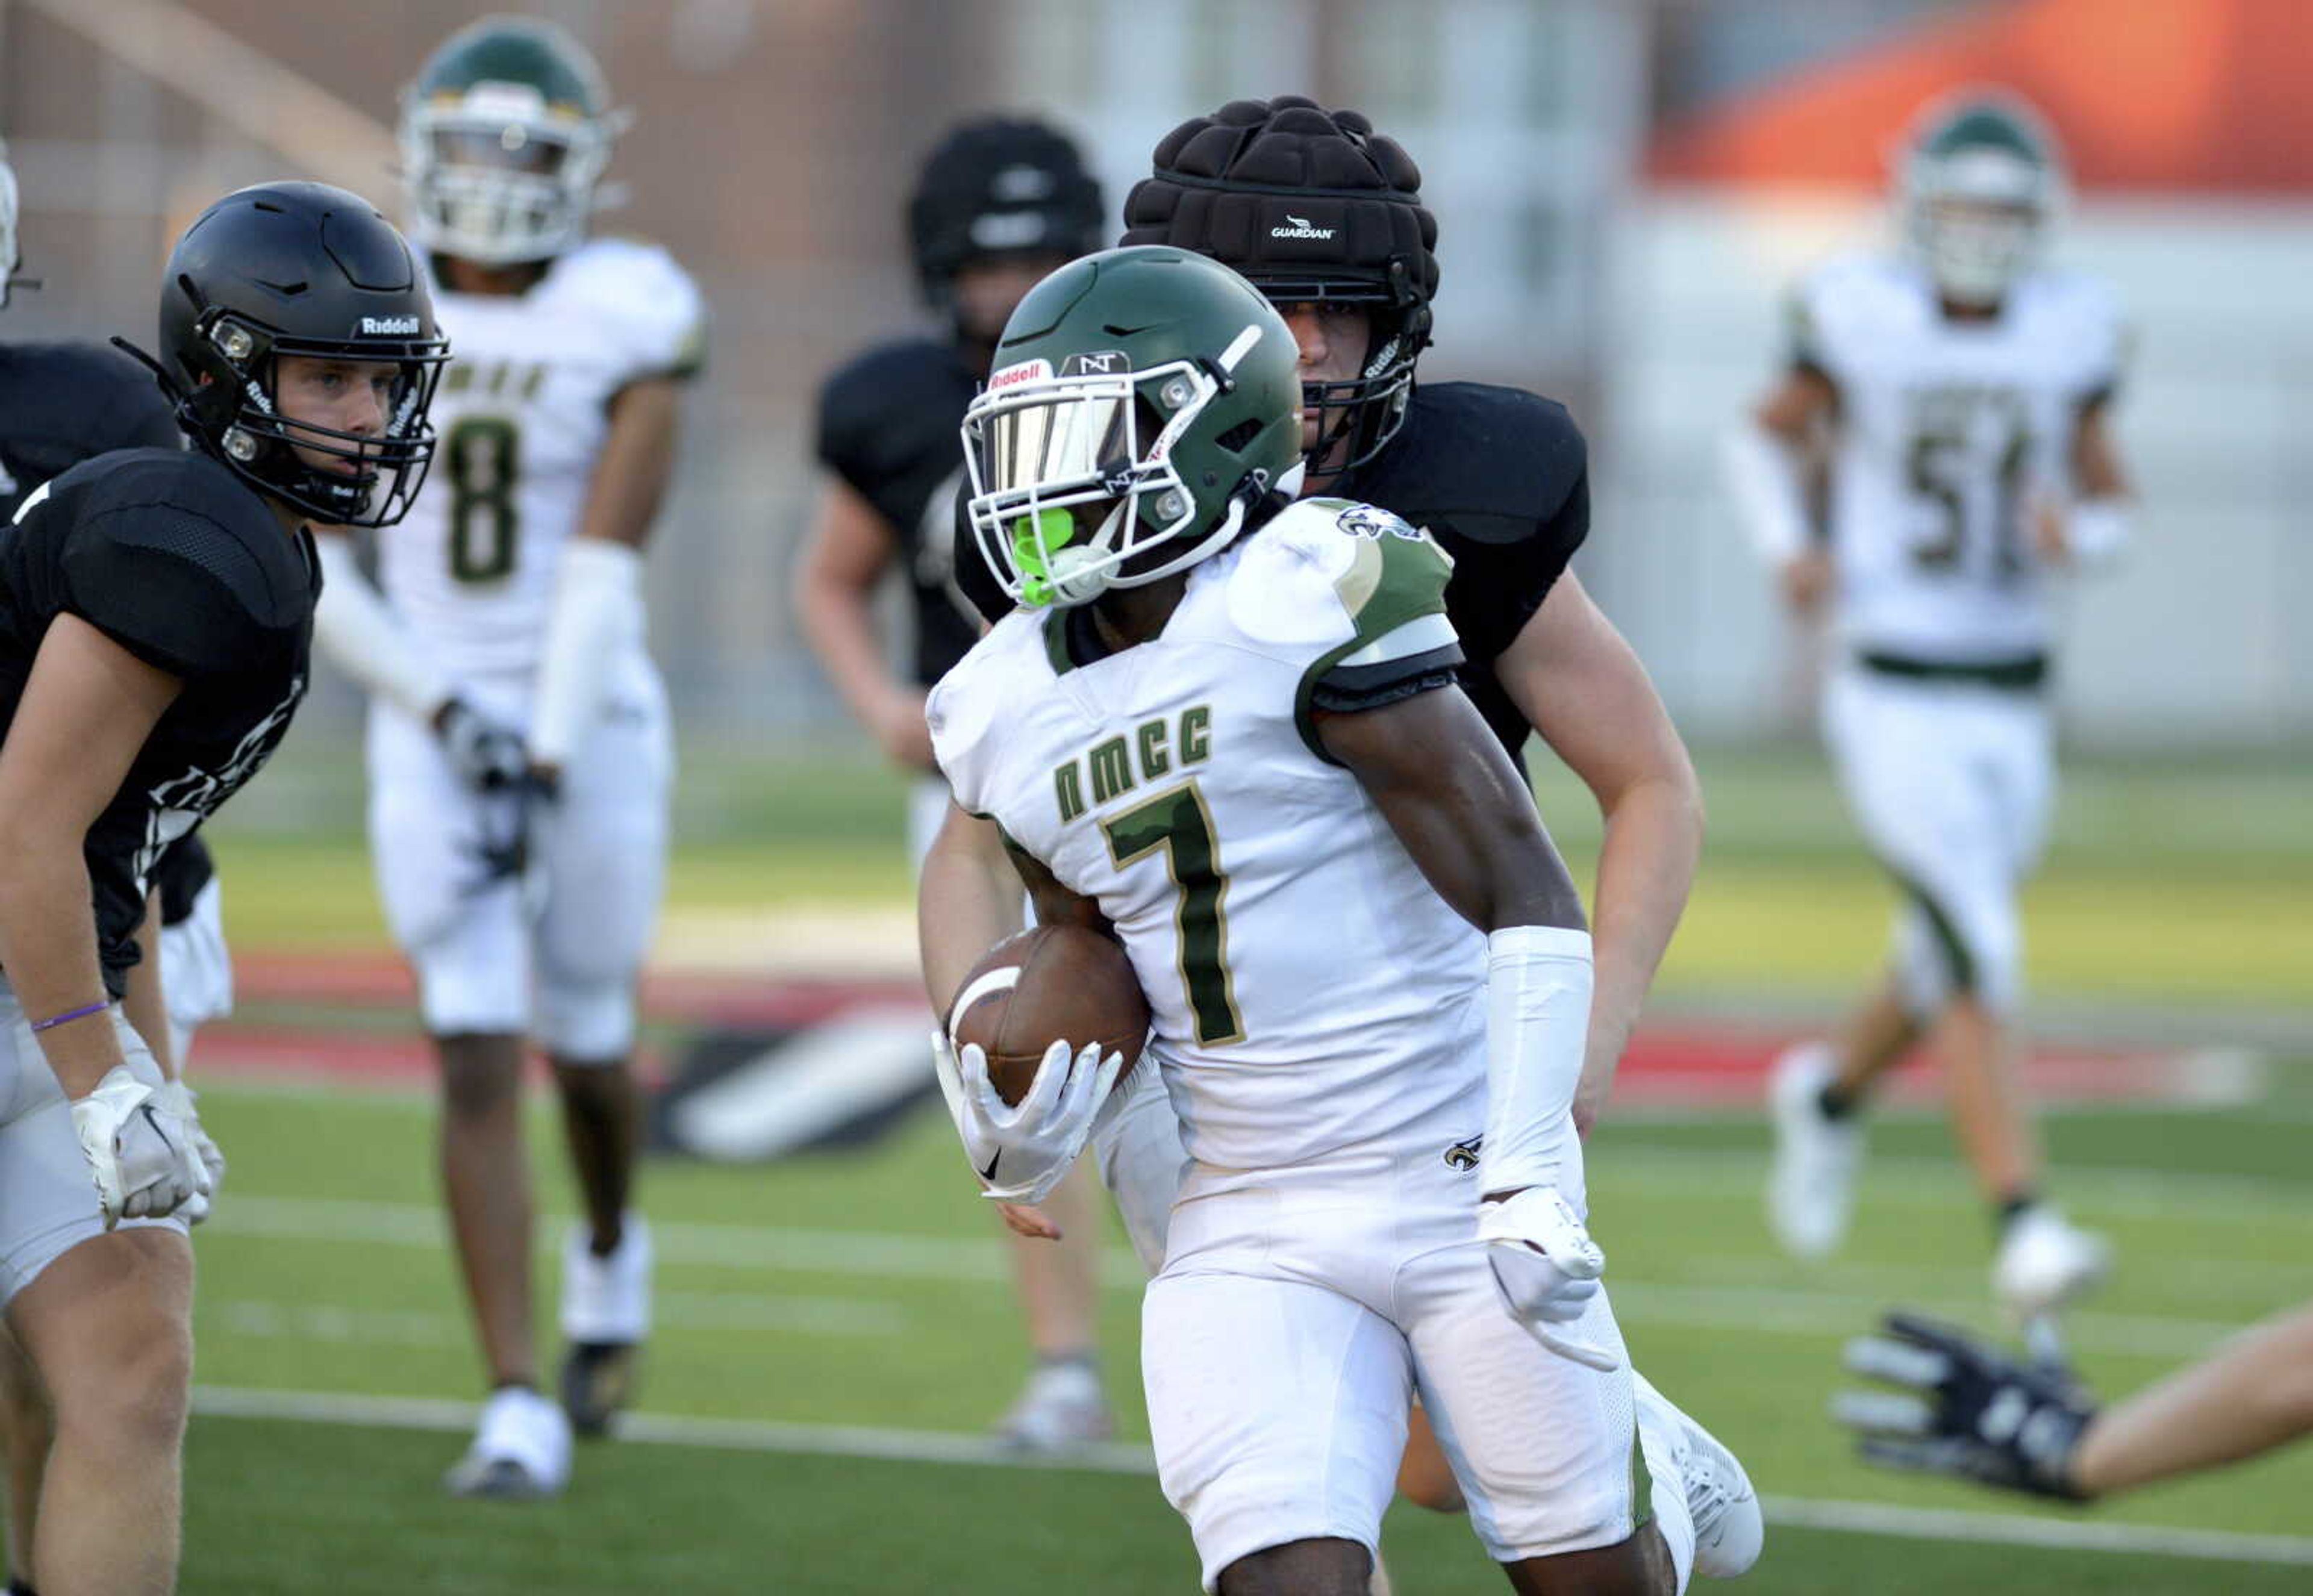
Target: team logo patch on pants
x=1463 y=1156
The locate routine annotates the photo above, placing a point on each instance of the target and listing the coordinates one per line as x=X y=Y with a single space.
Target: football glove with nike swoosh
x=143 y=1158
x=1020 y=1152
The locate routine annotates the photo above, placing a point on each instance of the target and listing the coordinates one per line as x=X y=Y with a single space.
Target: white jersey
x=521 y=414
x=1311 y=992
x=1949 y=433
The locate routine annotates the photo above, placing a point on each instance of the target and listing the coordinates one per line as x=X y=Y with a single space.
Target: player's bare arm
x=847 y=551
x=2254 y=1395
x=145 y=1002
x=86 y=712
x=1766 y=459
x=1455 y=799
x=968 y=900
x=2096 y=528
x=1581 y=686
x=631 y=476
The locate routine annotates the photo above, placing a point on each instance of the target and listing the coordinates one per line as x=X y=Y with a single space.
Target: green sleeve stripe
x=1390 y=581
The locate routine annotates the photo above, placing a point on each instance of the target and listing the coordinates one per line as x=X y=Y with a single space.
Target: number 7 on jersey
x=1178 y=823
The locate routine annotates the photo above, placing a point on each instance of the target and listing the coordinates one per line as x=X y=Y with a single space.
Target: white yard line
x=842 y=1317
x=2077 y=1535
x=932 y=1446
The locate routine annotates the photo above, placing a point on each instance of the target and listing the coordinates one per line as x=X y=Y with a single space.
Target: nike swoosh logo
x=988 y=1174
x=154 y=1120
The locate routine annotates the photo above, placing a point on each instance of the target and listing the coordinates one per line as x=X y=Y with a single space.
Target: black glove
x=486 y=755
x=501 y=848
x=1977 y=1413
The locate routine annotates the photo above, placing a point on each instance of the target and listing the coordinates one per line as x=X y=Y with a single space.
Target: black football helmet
x=1311 y=206
x=1000 y=186
x=300 y=269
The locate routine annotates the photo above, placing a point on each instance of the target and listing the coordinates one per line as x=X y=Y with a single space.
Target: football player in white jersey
x=1216 y=729
x=1958 y=393
x=519 y=750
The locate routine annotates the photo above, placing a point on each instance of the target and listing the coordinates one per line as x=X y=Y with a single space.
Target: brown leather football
x=1050 y=983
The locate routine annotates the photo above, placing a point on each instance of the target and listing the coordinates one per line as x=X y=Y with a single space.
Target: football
x=1050 y=983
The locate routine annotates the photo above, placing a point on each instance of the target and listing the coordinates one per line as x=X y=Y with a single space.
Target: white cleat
x=1729 y=1530
x=2045 y=1261
x=521 y=1450
x=1061 y=1407
x=1811 y=1187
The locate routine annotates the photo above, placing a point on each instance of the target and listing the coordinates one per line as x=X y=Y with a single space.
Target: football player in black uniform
x=155 y=619
x=1324 y=216
x=999 y=203
x=61 y=404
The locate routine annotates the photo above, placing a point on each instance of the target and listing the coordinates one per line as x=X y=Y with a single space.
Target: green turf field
x=827 y=1307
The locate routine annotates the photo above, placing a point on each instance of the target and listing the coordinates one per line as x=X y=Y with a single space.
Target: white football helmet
x=503 y=137
x=1980 y=184
x=10 y=258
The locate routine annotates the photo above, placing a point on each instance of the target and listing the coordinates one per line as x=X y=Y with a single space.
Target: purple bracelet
x=82 y=1012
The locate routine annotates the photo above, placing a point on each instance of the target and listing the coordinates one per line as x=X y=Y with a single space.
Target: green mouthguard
x=1059 y=528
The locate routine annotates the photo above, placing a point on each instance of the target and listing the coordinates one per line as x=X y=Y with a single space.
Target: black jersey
x=888 y=425
x=173 y=557
x=1502 y=478
x=1498 y=475
x=61 y=404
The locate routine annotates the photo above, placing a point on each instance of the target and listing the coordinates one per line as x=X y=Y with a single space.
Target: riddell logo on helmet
x=1027 y=371
x=1301 y=227
x=388 y=326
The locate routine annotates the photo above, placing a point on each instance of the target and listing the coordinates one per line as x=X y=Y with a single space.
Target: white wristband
x=2096 y=531
x=597 y=615
x=1538 y=980
x=1763 y=481
x=367 y=640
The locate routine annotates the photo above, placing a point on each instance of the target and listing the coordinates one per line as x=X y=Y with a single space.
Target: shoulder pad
x=1328 y=572
x=639 y=299
x=1496 y=460
x=2087 y=322
x=890 y=377
x=173 y=555
x=2087 y=304
x=98 y=397
x=974 y=695
x=1856 y=290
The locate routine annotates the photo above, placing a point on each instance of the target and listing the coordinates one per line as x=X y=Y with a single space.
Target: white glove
x=174 y=1096
x=486 y=755
x=1545 y=1267
x=1020 y=1153
x=140 y=1154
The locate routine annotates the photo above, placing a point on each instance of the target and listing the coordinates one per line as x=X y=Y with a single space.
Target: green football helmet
x=503 y=135
x=1141 y=403
x=1981 y=183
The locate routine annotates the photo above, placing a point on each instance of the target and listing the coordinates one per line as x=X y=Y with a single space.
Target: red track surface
x=1680 y=1063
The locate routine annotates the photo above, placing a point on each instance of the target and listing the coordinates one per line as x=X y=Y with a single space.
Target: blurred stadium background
x=1625 y=187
